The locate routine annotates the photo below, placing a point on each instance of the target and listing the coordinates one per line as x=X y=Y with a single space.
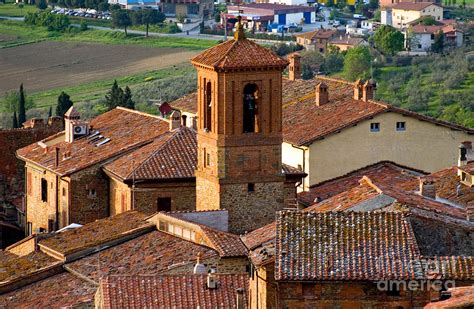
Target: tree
x=428 y=21
x=21 y=106
x=64 y=103
x=50 y=112
x=15 y=121
x=333 y=63
x=42 y=5
x=121 y=18
x=148 y=17
x=127 y=99
x=306 y=72
x=438 y=44
x=373 y=4
x=388 y=40
x=357 y=63
x=114 y=96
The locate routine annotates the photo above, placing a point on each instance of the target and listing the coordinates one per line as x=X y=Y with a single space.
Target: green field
x=24 y=33
x=14 y=10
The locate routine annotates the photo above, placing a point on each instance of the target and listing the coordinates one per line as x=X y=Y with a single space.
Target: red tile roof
x=468 y=168
x=346 y=40
x=188 y=103
x=427 y=29
x=96 y=233
x=127 y=129
x=150 y=254
x=317 y=34
x=58 y=291
x=344 y=246
x=13 y=267
x=239 y=54
x=261 y=243
x=417 y=6
x=172 y=291
x=449 y=267
x=172 y=155
x=461 y=297
x=381 y=172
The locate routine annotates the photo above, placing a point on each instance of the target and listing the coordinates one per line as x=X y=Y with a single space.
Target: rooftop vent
x=211 y=281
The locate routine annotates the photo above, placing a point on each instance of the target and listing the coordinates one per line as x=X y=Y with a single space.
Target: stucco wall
x=422 y=145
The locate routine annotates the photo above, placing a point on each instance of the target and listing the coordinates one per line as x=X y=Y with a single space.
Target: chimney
x=295 y=66
x=368 y=90
x=175 y=120
x=427 y=188
x=211 y=281
x=199 y=269
x=358 y=90
x=240 y=298
x=462 y=155
x=56 y=156
x=322 y=95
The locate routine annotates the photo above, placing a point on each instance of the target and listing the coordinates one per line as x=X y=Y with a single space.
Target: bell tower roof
x=239 y=53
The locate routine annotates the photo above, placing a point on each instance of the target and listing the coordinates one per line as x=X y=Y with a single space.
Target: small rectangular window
x=401 y=126
x=92 y=193
x=375 y=127
x=64 y=191
x=251 y=187
x=44 y=190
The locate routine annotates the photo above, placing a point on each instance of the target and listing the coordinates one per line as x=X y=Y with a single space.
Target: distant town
x=268 y=154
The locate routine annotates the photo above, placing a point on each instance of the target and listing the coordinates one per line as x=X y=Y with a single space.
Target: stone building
x=239 y=132
x=316 y=40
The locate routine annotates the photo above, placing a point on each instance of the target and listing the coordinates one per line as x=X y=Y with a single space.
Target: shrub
x=54 y=22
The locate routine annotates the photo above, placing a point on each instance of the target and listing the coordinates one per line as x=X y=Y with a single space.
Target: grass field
x=14 y=10
x=25 y=33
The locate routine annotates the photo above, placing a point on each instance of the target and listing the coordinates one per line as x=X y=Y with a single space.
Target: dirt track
x=49 y=65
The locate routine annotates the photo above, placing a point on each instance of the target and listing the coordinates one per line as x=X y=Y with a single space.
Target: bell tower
x=240 y=132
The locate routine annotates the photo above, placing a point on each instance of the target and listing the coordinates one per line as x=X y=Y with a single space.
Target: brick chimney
x=322 y=95
x=368 y=90
x=294 y=70
x=358 y=90
x=175 y=120
x=427 y=188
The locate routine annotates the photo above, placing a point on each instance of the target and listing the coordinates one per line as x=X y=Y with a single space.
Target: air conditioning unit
x=80 y=130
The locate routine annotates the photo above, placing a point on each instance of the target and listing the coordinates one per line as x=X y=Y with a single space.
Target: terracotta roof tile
x=58 y=291
x=188 y=103
x=13 y=267
x=317 y=34
x=346 y=40
x=150 y=254
x=261 y=243
x=449 y=267
x=172 y=155
x=96 y=233
x=344 y=246
x=239 y=54
x=382 y=172
x=227 y=244
x=172 y=291
x=127 y=129
x=460 y=297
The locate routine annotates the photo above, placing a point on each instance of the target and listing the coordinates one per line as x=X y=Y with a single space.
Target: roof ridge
x=139 y=112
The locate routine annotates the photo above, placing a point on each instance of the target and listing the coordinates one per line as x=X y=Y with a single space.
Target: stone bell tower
x=240 y=132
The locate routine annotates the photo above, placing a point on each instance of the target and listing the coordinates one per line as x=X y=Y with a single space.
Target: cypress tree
x=114 y=96
x=15 y=120
x=127 y=99
x=64 y=103
x=21 y=107
x=50 y=112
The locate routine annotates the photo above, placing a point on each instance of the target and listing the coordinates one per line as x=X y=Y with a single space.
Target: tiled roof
x=261 y=243
x=381 y=172
x=172 y=291
x=292 y=171
x=449 y=267
x=150 y=254
x=460 y=297
x=317 y=34
x=227 y=244
x=346 y=199
x=58 y=291
x=344 y=246
x=126 y=129
x=13 y=267
x=468 y=168
x=172 y=155
x=239 y=54
x=188 y=103
x=426 y=29
x=96 y=233
x=418 y=6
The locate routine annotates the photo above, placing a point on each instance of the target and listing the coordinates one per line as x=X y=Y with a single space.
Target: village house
x=316 y=40
x=403 y=13
x=420 y=38
x=346 y=42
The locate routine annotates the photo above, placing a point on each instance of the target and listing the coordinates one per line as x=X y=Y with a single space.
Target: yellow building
x=349 y=2
x=335 y=128
x=404 y=13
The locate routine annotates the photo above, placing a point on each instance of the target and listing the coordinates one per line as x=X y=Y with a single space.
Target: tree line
x=125 y=18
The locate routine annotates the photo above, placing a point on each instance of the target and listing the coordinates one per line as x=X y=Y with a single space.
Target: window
x=251 y=187
x=44 y=190
x=123 y=202
x=375 y=127
x=64 y=191
x=51 y=225
x=432 y=36
x=250 y=123
x=321 y=50
x=208 y=107
x=184 y=117
x=29 y=228
x=28 y=183
x=401 y=126
x=163 y=204
x=92 y=193
x=208 y=159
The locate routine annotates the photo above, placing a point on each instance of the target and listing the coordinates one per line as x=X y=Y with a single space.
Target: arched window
x=208 y=107
x=250 y=113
